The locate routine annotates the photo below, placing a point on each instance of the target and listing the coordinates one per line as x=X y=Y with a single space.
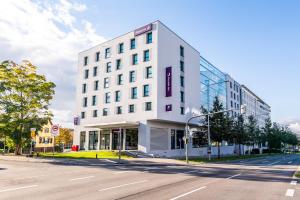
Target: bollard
x=96 y=155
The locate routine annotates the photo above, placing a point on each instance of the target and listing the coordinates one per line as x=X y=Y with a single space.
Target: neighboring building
x=44 y=140
x=144 y=83
x=255 y=106
x=233 y=91
x=212 y=84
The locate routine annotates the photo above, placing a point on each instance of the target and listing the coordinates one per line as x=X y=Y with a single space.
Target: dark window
x=106 y=83
x=182 y=110
x=132 y=44
x=134 y=93
x=148 y=72
x=85 y=62
x=134 y=59
x=107 y=97
x=108 y=67
x=132 y=76
x=84 y=88
x=121 y=47
x=105 y=112
x=94 y=100
x=95 y=70
x=182 y=96
x=199 y=140
x=131 y=108
x=119 y=110
x=120 y=79
x=82 y=115
x=146 y=56
x=146 y=91
x=107 y=53
x=97 y=56
x=96 y=85
x=149 y=38
x=95 y=113
x=181 y=51
x=182 y=66
x=117 y=96
x=86 y=74
x=230 y=84
x=181 y=81
x=84 y=102
x=177 y=139
x=118 y=64
x=148 y=106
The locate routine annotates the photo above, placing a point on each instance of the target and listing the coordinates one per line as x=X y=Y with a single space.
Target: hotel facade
x=144 y=84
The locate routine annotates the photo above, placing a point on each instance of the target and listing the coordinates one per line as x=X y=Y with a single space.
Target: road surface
x=259 y=178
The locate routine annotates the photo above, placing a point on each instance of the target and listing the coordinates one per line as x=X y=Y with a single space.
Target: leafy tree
x=267 y=132
x=239 y=134
x=252 y=132
x=64 y=137
x=24 y=100
x=217 y=124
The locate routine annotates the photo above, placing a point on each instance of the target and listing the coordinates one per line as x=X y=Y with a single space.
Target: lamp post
x=187 y=134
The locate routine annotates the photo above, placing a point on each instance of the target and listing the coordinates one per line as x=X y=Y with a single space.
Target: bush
x=272 y=151
x=255 y=151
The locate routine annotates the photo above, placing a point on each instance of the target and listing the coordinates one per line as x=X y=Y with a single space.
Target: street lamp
x=187 y=134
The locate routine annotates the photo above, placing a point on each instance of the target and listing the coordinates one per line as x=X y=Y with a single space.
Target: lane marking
x=230 y=177
x=274 y=162
x=122 y=172
x=191 y=171
x=290 y=162
x=124 y=185
x=112 y=161
x=80 y=178
x=19 y=188
x=293 y=182
x=185 y=194
x=290 y=192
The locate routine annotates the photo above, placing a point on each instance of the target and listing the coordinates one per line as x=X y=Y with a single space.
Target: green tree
x=238 y=132
x=218 y=123
x=64 y=137
x=24 y=100
x=252 y=132
x=267 y=133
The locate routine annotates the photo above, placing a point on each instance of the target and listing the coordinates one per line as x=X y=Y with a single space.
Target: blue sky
x=256 y=42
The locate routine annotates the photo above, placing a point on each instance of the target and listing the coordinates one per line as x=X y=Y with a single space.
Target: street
x=257 y=178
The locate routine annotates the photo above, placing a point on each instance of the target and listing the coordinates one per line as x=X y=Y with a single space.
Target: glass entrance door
x=93 y=140
x=105 y=140
x=115 y=139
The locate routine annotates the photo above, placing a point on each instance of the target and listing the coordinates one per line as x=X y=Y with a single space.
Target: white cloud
x=295 y=127
x=49 y=35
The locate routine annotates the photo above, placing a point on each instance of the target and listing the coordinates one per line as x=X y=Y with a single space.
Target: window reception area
x=108 y=139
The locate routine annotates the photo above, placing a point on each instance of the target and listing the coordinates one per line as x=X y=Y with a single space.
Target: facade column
x=124 y=139
x=99 y=140
x=110 y=139
x=86 y=145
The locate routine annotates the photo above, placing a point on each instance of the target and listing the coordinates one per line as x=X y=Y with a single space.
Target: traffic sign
x=55 y=130
x=208 y=150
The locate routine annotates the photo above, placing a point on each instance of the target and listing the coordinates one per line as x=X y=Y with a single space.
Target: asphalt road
x=260 y=178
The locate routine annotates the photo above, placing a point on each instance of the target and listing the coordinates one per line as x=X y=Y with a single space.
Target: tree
x=239 y=135
x=252 y=132
x=267 y=132
x=217 y=124
x=64 y=137
x=24 y=100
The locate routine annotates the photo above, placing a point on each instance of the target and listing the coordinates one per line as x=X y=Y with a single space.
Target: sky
x=256 y=42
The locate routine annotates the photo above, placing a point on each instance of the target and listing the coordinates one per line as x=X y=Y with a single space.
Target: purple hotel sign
x=168 y=81
x=143 y=29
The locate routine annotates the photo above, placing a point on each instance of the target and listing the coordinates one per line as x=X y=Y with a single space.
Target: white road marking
x=290 y=162
x=230 y=177
x=19 y=188
x=118 y=186
x=191 y=171
x=182 y=195
x=293 y=182
x=290 y=192
x=274 y=162
x=122 y=172
x=112 y=161
x=80 y=178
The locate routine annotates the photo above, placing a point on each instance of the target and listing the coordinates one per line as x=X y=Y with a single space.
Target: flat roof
x=259 y=99
x=121 y=124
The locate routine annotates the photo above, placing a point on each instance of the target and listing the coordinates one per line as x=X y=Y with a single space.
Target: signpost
x=32 y=131
x=54 y=132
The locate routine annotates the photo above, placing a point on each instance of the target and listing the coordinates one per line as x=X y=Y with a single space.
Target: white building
x=255 y=106
x=233 y=95
x=137 y=83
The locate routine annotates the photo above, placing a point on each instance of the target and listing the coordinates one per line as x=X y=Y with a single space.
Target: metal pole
x=4 y=144
x=120 y=144
x=30 y=147
x=186 y=144
x=208 y=135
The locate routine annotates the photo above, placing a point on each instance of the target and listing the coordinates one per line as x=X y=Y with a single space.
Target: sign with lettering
x=76 y=120
x=168 y=81
x=169 y=107
x=143 y=29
